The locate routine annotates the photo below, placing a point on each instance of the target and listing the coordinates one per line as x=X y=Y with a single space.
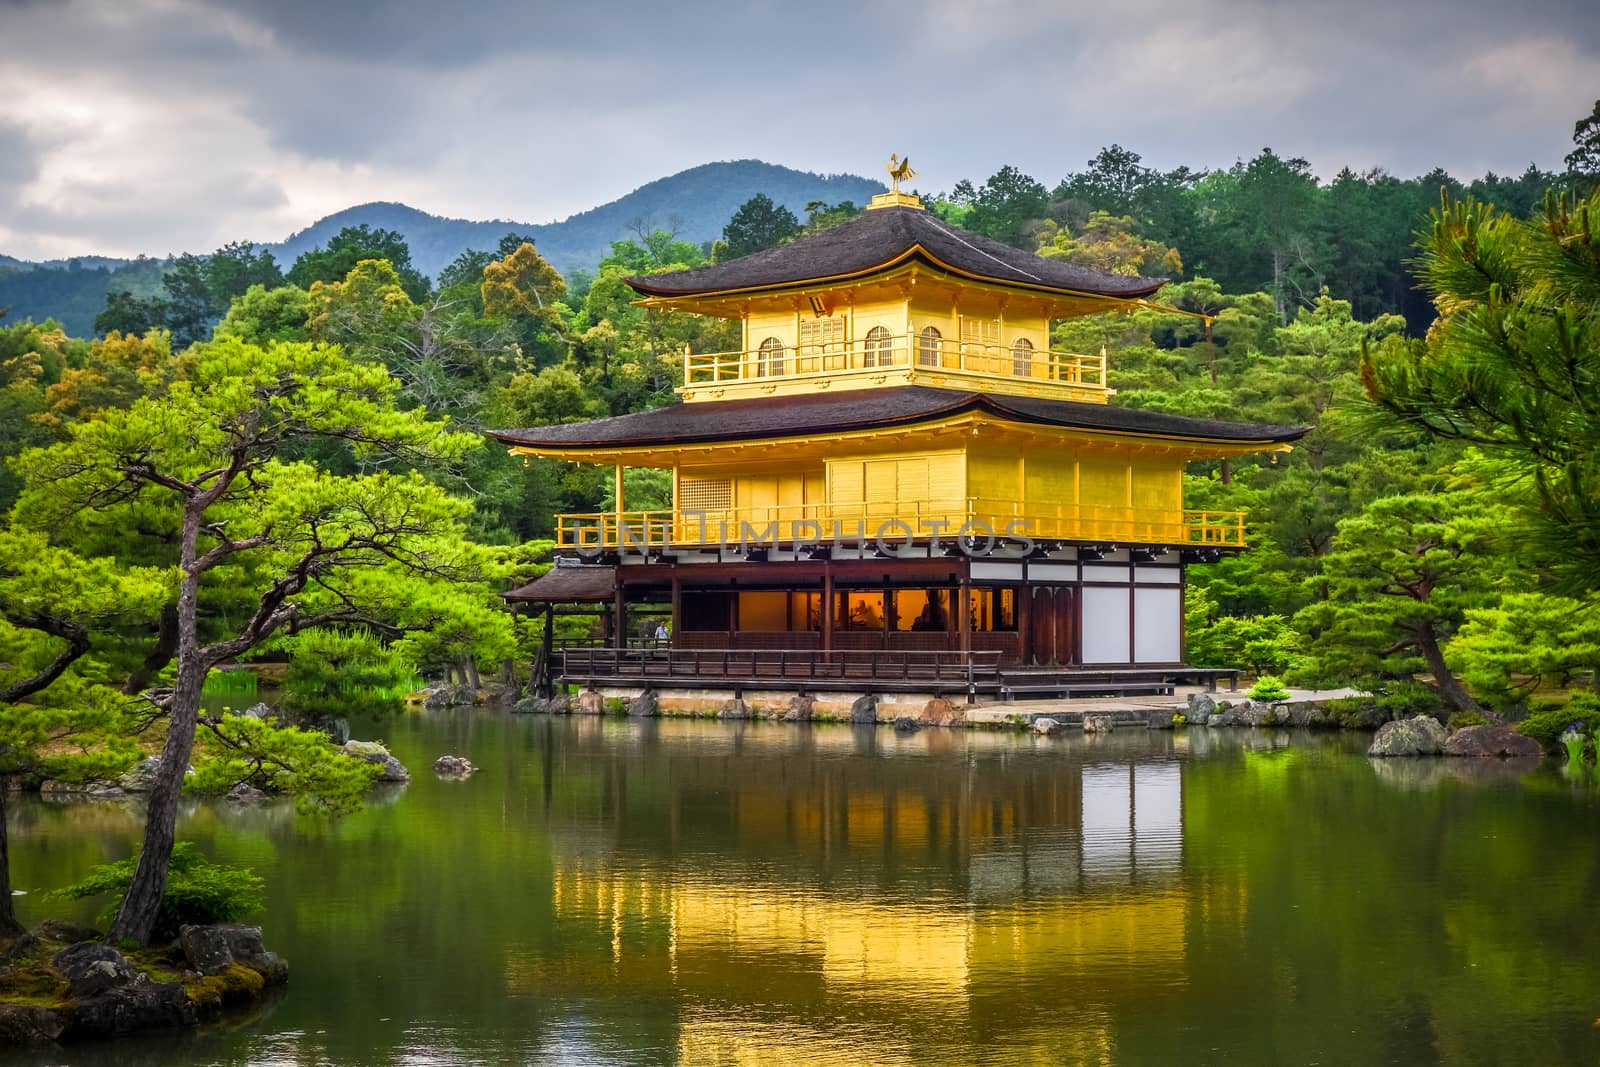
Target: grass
x=237 y=684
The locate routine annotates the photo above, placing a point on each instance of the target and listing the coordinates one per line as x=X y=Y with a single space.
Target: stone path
x=1121 y=709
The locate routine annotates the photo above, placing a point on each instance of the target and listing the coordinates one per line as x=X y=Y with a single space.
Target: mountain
x=694 y=203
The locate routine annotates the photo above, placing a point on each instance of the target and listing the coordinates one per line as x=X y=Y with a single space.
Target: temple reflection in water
x=880 y=888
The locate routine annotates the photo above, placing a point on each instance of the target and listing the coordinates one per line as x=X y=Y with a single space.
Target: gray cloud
x=187 y=123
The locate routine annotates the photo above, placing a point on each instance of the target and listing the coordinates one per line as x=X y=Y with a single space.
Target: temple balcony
x=900 y=522
x=882 y=359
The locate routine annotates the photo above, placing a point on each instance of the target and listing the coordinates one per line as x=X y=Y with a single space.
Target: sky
x=163 y=126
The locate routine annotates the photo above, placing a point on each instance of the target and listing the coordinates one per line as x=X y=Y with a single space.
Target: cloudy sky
x=159 y=126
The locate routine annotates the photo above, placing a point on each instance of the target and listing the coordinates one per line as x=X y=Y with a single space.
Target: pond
x=663 y=892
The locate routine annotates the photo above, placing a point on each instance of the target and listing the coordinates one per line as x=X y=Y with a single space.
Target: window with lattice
x=705 y=494
x=980 y=331
x=826 y=333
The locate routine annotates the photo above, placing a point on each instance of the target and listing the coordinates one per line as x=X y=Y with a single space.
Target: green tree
x=1583 y=162
x=1513 y=363
x=1397 y=585
x=1527 y=641
x=308 y=545
x=261 y=315
x=190 y=307
x=1008 y=207
x=126 y=313
x=757 y=225
x=351 y=245
x=54 y=720
x=238 y=265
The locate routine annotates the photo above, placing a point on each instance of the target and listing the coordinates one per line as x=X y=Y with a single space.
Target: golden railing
x=944 y=356
x=898 y=522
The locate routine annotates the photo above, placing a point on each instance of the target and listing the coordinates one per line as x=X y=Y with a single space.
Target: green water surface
x=665 y=892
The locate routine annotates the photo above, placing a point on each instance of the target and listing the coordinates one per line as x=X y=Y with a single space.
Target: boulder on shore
x=1500 y=741
x=1098 y=724
x=644 y=706
x=734 y=708
x=374 y=752
x=940 y=712
x=864 y=710
x=1421 y=736
x=800 y=708
x=112 y=998
x=542 y=706
x=1201 y=707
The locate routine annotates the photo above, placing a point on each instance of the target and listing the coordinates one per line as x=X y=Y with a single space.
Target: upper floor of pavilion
x=895 y=297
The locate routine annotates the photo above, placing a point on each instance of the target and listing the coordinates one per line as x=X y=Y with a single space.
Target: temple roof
x=567 y=583
x=884 y=237
x=867 y=409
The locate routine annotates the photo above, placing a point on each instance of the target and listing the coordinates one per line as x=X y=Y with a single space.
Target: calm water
x=702 y=893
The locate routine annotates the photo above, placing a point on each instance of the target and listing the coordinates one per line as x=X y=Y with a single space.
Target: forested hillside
x=693 y=205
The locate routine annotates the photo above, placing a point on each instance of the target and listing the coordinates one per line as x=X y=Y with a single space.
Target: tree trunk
x=136 y=917
x=9 y=927
x=1455 y=695
x=1227 y=472
x=473 y=679
x=165 y=648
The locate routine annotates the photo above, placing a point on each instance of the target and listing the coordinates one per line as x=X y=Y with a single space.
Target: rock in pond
x=374 y=752
x=1046 y=726
x=905 y=724
x=246 y=794
x=453 y=767
x=210 y=950
x=1492 y=741
x=141 y=777
x=1421 y=736
x=1161 y=720
x=864 y=710
x=644 y=706
x=1098 y=724
x=734 y=708
x=1201 y=707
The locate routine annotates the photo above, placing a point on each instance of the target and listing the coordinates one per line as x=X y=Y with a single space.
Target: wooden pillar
x=620 y=606
x=543 y=684
x=677 y=609
x=1024 y=596
x=827 y=606
x=964 y=619
x=617 y=478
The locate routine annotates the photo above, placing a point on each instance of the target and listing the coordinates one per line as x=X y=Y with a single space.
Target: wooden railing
x=898 y=521
x=940 y=357
x=755 y=665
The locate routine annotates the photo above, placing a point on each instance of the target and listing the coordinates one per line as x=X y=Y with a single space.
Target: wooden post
x=546 y=684
x=827 y=606
x=677 y=609
x=964 y=598
x=620 y=508
x=621 y=608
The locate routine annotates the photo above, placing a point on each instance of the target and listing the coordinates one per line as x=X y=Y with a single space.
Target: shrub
x=1547 y=724
x=1268 y=689
x=1463 y=719
x=1356 y=713
x=198 y=891
x=1406 y=699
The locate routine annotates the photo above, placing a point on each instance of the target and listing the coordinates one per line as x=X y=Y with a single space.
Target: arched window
x=769 y=360
x=1022 y=358
x=879 y=351
x=928 y=344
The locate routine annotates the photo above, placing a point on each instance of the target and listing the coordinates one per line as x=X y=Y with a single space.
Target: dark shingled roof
x=883 y=236
x=567 y=584
x=862 y=409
